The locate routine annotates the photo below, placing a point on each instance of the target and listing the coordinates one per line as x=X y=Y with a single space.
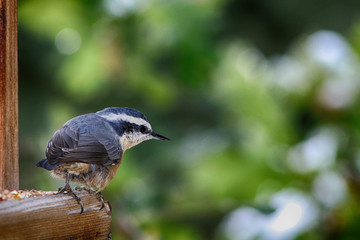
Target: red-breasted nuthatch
x=88 y=149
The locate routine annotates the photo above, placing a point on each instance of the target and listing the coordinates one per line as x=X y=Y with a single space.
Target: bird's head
x=131 y=126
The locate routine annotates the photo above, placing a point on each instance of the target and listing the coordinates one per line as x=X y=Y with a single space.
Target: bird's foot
x=67 y=190
x=98 y=195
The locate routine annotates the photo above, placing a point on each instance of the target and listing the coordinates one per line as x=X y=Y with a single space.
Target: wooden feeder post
x=9 y=146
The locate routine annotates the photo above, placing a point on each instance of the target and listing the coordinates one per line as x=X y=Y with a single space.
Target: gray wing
x=88 y=139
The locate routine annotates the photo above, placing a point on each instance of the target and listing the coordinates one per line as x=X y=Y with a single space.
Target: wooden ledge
x=54 y=217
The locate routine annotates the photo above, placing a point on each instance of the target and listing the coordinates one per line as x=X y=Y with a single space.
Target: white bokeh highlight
x=330 y=189
x=294 y=212
x=315 y=153
x=68 y=41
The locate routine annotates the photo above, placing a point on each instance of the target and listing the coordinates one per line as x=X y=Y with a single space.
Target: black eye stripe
x=129 y=127
x=143 y=129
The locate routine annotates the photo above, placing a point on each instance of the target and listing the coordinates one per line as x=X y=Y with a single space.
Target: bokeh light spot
x=68 y=41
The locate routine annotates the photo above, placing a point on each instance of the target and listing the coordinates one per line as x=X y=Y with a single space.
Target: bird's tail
x=45 y=164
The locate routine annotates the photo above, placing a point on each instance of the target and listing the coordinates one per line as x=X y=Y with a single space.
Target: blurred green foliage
x=259 y=100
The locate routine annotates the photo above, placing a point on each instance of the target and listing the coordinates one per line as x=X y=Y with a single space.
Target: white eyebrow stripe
x=127 y=118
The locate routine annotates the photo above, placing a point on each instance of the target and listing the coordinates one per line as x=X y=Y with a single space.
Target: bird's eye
x=143 y=129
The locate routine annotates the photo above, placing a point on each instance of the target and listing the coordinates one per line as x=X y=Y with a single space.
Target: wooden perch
x=54 y=216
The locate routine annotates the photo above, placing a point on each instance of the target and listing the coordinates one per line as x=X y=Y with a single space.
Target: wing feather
x=87 y=138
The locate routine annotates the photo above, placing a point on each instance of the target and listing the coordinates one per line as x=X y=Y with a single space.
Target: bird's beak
x=158 y=136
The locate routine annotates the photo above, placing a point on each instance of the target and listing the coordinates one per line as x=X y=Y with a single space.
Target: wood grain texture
x=54 y=217
x=9 y=147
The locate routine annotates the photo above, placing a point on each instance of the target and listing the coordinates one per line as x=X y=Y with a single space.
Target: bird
x=89 y=148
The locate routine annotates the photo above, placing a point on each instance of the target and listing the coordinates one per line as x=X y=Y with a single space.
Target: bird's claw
x=98 y=195
x=67 y=190
x=78 y=201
